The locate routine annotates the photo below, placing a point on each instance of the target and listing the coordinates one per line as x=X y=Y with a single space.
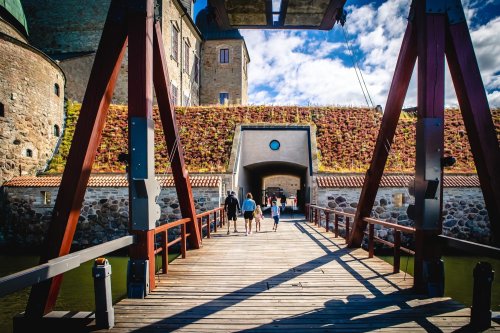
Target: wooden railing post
x=164 y=254
x=346 y=228
x=208 y=225
x=397 y=252
x=327 y=221
x=183 y=241
x=336 y=224
x=371 y=241
x=215 y=221
x=316 y=211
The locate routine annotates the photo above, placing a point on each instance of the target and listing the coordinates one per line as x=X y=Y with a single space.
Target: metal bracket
x=137 y=278
x=435 y=6
x=455 y=11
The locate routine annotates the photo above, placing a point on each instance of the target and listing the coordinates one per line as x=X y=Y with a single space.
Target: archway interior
x=258 y=177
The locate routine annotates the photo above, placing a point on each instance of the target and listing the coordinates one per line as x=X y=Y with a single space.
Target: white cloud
x=299 y=67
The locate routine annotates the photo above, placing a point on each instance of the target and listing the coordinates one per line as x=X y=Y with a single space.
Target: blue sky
x=303 y=67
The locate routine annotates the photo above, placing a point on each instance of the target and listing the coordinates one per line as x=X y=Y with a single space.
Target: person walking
x=283 y=202
x=248 y=207
x=259 y=216
x=231 y=205
x=275 y=213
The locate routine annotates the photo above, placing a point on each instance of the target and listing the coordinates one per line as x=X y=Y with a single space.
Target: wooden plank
x=260 y=283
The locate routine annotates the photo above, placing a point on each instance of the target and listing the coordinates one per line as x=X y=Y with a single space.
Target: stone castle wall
x=32 y=108
x=217 y=77
x=104 y=216
x=464 y=212
x=9 y=30
x=74 y=42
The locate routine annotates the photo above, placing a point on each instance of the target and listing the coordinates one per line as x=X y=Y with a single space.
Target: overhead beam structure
x=291 y=14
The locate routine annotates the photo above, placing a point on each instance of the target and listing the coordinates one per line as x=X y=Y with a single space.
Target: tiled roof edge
x=394 y=181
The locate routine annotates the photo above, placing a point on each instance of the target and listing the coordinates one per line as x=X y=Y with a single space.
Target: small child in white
x=258 y=217
x=275 y=213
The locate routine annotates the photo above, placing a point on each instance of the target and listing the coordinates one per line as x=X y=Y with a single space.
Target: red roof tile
x=394 y=181
x=108 y=181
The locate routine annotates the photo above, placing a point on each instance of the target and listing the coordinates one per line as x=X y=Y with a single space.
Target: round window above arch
x=274 y=145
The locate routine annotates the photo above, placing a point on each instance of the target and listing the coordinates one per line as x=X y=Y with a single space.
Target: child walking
x=275 y=213
x=258 y=217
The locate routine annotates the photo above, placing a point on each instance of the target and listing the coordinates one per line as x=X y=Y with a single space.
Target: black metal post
x=481 y=296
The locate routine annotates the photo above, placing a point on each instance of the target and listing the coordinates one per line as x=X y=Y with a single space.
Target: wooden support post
x=336 y=225
x=183 y=241
x=346 y=229
x=215 y=221
x=167 y=115
x=208 y=226
x=86 y=139
x=399 y=86
x=430 y=139
x=397 y=250
x=327 y=221
x=316 y=218
x=164 y=255
x=371 y=240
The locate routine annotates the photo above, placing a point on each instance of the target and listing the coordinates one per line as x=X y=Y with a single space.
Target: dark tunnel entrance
x=276 y=178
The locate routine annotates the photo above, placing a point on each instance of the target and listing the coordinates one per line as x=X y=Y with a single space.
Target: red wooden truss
x=129 y=21
x=435 y=29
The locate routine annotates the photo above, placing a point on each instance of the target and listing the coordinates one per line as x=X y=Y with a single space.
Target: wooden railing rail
x=314 y=216
x=204 y=220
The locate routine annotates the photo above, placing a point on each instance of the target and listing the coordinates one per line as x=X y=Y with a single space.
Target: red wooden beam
x=167 y=115
x=140 y=104
x=399 y=86
x=477 y=118
x=428 y=220
x=81 y=156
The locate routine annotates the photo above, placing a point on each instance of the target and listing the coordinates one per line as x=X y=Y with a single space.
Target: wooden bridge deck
x=297 y=279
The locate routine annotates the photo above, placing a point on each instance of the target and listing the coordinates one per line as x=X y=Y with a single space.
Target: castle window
x=2 y=110
x=46 y=197
x=186 y=57
x=175 y=43
x=29 y=153
x=224 y=56
x=196 y=69
x=56 y=89
x=174 y=94
x=223 y=98
x=56 y=131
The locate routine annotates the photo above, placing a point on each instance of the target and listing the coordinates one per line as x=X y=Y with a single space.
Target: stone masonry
x=104 y=216
x=464 y=212
x=230 y=78
x=32 y=94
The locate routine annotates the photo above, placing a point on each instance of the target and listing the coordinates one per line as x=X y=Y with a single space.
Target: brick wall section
x=32 y=109
x=230 y=77
x=104 y=215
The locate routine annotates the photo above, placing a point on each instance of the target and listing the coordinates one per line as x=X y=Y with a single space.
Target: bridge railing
x=342 y=219
x=215 y=217
x=28 y=277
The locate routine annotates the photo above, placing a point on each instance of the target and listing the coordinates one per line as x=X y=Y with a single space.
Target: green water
x=77 y=290
x=458 y=276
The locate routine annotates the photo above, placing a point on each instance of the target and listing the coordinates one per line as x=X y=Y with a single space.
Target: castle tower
x=31 y=98
x=224 y=78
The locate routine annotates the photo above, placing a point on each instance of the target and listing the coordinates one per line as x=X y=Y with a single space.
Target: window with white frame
x=46 y=197
x=174 y=94
x=224 y=56
x=186 y=57
x=196 y=69
x=175 y=43
x=223 y=98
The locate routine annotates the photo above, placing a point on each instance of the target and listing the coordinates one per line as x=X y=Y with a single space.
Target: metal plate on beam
x=292 y=14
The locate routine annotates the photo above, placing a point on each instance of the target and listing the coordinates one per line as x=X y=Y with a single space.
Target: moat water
x=77 y=288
